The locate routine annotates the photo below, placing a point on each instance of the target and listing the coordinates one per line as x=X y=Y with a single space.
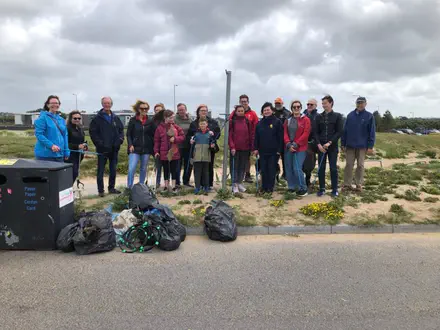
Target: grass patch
x=271 y=223
x=184 y=202
x=197 y=201
x=431 y=200
x=189 y=220
x=224 y=194
x=289 y=196
x=432 y=190
x=331 y=213
x=364 y=220
x=245 y=220
x=410 y=195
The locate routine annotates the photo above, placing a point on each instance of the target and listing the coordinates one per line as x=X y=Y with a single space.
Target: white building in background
x=26 y=119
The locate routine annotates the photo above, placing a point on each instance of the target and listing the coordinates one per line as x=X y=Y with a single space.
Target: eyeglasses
x=76 y=118
x=144 y=109
x=310 y=104
x=296 y=107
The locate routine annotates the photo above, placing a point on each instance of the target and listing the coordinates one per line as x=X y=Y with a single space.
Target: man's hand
x=192 y=141
x=55 y=148
x=321 y=148
x=131 y=149
x=212 y=145
x=327 y=145
x=292 y=149
x=256 y=153
x=172 y=139
x=211 y=133
x=370 y=151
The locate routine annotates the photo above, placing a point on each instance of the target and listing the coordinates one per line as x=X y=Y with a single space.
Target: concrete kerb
x=338 y=229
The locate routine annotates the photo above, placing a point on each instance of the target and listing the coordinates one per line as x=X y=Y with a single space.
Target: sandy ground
x=266 y=214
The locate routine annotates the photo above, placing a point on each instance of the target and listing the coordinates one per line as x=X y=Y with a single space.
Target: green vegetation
x=410 y=195
x=431 y=200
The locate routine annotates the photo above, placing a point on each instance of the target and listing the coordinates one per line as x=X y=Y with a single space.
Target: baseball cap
x=361 y=99
x=279 y=100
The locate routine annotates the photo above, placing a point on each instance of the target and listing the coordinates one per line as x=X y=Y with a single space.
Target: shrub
x=197 y=201
x=330 y=212
x=431 y=200
x=432 y=190
x=224 y=194
x=410 y=195
x=430 y=153
x=277 y=203
x=397 y=209
x=184 y=202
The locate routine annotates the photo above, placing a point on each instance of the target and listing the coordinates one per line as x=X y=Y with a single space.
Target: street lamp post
x=175 y=96
x=76 y=101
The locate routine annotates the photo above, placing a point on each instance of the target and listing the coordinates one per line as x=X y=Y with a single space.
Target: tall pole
x=226 y=130
x=175 y=97
x=76 y=101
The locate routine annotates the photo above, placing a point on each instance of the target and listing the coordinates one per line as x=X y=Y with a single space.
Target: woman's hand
x=172 y=139
x=255 y=153
x=131 y=149
x=66 y=158
x=292 y=149
x=157 y=155
x=55 y=148
x=233 y=152
x=321 y=148
x=192 y=141
x=211 y=133
x=212 y=145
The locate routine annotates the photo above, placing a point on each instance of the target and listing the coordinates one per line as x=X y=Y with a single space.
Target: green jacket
x=202 y=148
x=184 y=124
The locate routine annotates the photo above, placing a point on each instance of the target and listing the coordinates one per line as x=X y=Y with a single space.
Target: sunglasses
x=76 y=118
x=310 y=104
x=144 y=109
x=296 y=107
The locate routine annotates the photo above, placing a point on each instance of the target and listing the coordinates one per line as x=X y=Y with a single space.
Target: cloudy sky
x=387 y=50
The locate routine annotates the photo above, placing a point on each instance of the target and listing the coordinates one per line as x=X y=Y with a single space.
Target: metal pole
x=226 y=130
x=76 y=101
x=175 y=97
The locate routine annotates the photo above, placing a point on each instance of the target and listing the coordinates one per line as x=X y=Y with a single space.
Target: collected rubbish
x=142 y=197
x=91 y=234
x=220 y=224
x=125 y=220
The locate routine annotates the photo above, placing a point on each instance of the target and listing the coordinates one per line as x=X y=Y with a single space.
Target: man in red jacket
x=252 y=117
x=296 y=139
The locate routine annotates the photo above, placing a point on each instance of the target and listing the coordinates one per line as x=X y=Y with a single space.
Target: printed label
x=66 y=197
x=8 y=162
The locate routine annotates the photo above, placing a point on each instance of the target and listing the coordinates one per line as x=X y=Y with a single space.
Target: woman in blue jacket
x=51 y=133
x=268 y=144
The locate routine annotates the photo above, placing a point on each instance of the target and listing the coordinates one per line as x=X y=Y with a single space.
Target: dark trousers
x=211 y=173
x=170 y=168
x=75 y=159
x=332 y=156
x=268 y=171
x=187 y=167
x=238 y=165
x=112 y=157
x=309 y=163
x=201 y=173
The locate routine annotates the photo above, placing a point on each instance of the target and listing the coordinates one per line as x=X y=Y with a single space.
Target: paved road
x=311 y=282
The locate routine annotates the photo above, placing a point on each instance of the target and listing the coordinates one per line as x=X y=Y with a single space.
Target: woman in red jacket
x=296 y=138
x=241 y=140
x=166 y=140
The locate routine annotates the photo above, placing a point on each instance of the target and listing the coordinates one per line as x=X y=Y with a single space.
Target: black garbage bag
x=220 y=222
x=95 y=233
x=167 y=235
x=170 y=221
x=65 y=238
x=141 y=196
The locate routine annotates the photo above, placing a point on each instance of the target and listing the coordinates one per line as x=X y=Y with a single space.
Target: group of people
x=180 y=146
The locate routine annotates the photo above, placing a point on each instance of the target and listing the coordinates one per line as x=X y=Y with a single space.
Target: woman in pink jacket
x=167 y=138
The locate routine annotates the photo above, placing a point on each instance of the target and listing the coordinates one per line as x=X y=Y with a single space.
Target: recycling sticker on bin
x=66 y=197
x=8 y=162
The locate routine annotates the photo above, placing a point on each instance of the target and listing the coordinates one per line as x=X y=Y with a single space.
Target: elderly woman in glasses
x=77 y=144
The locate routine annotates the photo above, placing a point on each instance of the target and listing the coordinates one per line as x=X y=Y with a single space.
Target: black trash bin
x=36 y=202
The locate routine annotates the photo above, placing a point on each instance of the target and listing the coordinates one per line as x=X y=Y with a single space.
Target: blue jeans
x=294 y=170
x=332 y=156
x=51 y=159
x=133 y=160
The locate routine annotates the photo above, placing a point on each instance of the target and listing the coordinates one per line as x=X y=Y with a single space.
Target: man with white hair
x=309 y=164
x=107 y=133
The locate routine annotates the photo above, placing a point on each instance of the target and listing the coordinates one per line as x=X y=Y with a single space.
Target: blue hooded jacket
x=48 y=134
x=359 y=130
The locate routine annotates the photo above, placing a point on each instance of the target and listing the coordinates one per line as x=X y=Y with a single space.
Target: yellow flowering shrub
x=331 y=213
x=277 y=203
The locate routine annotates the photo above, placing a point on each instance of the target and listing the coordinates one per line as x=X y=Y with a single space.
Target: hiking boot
x=335 y=193
x=235 y=189
x=114 y=191
x=248 y=178
x=320 y=193
x=241 y=188
x=101 y=194
x=302 y=193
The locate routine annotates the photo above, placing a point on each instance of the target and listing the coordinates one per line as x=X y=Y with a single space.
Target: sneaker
x=188 y=185
x=196 y=191
x=235 y=189
x=207 y=190
x=176 y=189
x=177 y=186
x=165 y=189
x=114 y=191
x=335 y=194
x=248 y=178
x=302 y=193
x=321 y=193
x=241 y=188
x=210 y=189
x=101 y=194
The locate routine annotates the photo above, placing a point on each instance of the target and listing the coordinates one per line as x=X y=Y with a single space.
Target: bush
x=330 y=212
x=410 y=195
x=431 y=200
x=197 y=201
x=432 y=190
x=430 y=153
x=224 y=194
x=184 y=202
x=397 y=209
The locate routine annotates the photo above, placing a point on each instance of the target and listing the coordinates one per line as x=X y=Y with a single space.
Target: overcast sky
x=388 y=51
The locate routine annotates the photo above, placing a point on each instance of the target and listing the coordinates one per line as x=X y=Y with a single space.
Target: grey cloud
x=24 y=8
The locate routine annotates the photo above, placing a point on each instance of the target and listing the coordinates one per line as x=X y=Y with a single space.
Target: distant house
x=25 y=119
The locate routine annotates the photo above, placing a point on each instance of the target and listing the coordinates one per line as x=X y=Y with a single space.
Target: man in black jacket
x=328 y=131
x=107 y=133
x=309 y=164
x=282 y=114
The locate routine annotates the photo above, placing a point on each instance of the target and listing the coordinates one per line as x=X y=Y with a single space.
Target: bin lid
x=32 y=163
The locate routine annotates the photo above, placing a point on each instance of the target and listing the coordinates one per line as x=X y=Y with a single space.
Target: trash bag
x=168 y=236
x=220 y=222
x=65 y=238
x=141 y=196
x=95 y=233
x=170 y=221
x=125 y=220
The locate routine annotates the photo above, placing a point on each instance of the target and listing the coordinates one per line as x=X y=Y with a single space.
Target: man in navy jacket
x=357 y=140
x=107 y=133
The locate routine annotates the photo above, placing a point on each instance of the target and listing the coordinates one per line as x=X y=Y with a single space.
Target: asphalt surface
x=310 y=282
